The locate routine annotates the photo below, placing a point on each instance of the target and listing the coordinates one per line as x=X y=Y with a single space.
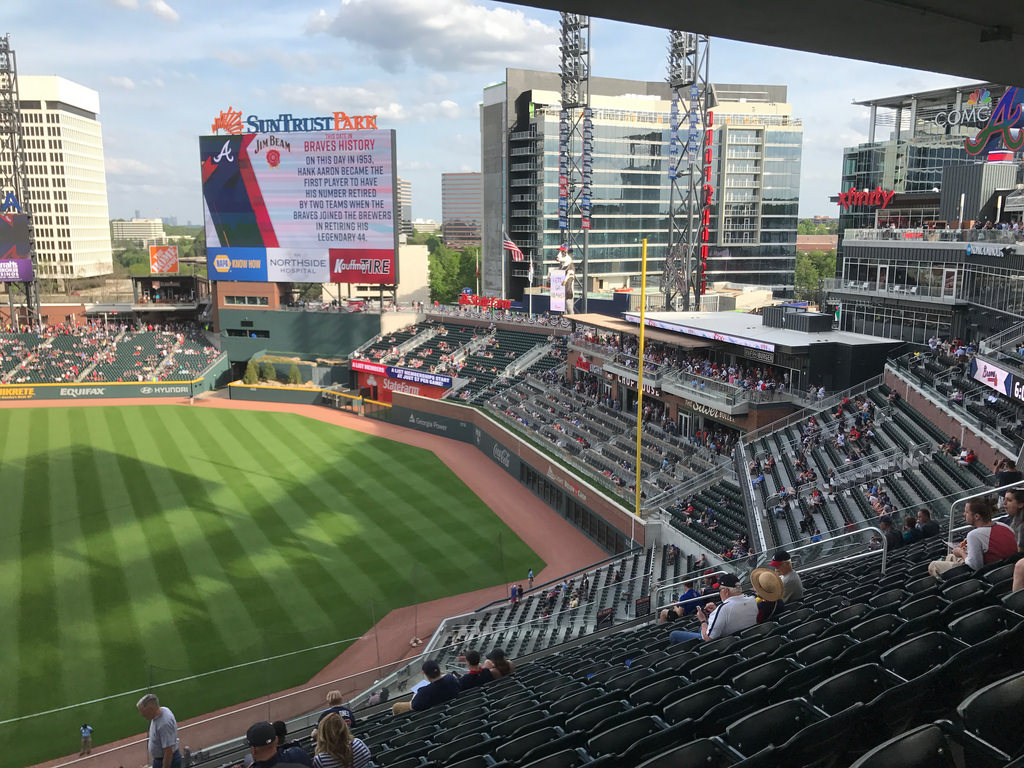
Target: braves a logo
x=225 y=153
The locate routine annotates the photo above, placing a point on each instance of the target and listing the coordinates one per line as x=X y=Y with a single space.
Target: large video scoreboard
x=310 y=207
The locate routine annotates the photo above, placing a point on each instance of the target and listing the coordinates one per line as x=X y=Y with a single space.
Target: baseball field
x=144 y=544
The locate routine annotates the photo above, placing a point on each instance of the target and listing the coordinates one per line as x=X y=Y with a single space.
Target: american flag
x=508 y=245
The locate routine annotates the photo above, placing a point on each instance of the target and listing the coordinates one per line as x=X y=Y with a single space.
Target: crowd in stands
x=99 y=351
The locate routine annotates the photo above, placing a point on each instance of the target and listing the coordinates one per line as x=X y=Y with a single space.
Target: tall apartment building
x=66 y=183
x=139 y=231
x=756 y=176
x=404 y=206
x=462 y=209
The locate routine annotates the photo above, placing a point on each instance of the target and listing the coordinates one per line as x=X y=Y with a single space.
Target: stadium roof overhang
x=983 y=40
x=606 y=323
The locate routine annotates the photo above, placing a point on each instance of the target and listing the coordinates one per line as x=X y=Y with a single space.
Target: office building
x=66 y=184
x=404 y=207
x=462 y=209
x=755 y=173
x=138 y=231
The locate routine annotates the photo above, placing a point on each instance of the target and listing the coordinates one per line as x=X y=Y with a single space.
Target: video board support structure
x=689 y=167
x=575 y=149
x=12 y=176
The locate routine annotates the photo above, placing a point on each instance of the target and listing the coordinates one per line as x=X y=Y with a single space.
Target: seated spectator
x=262 y=740
x=336 y=704
x=337 y=748
x=893 y=537
x=986 y=542
x=910 y=531
x=289 y=751
x=736 y=613
x=439 y=689
x=768 y=588
x=476 y=675
x=498 y=664
x=967 y=458
x=686 y=605
x=1013 y=505
x=379 y=697
x=792 y=587
x=925 y=524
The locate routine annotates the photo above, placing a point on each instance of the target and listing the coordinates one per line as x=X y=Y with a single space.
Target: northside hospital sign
x=300 y=199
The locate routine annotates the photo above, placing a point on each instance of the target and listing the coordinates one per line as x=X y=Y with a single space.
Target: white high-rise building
x=66 y=183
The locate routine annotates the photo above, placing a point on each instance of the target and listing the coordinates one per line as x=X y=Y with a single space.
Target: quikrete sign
x=877 y=197
x=230 y=121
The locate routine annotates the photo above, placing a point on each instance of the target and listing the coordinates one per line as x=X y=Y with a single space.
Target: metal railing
x=999 y=236
x=1003 y=338
x=889 y=289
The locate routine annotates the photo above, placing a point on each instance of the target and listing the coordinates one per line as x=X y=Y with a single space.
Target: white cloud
x=443 y=35
x=126 y=3
x=357 y=100
x=162 y=9
x=121 y=166
x=125 y=83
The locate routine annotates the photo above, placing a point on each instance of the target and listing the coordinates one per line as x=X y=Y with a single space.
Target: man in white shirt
x=736 y=613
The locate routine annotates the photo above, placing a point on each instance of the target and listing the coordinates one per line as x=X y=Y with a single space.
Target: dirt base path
x=562 y=547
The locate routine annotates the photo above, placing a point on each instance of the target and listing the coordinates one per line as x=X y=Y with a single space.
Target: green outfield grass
x=143 y=544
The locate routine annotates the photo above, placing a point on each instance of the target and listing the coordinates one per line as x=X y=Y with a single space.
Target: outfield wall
x=585 y=506
x=100 y=390
x=271 y=393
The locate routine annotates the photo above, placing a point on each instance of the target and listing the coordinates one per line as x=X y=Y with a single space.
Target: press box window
x=252 y=301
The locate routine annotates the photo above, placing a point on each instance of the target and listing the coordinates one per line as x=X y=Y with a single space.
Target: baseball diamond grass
x=143 y=544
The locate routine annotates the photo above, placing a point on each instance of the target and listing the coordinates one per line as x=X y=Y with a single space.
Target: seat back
x=765 y=674
x=984 y=623
x=860 y=684
x=923 y=747
x=618 y=738
x=985 y=713
x=696 y=704
x=823 y=649
x=706 y=753
x=770 y=726
x=913 y=657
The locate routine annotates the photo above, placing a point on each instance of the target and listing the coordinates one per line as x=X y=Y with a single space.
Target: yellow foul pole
x=640 y=367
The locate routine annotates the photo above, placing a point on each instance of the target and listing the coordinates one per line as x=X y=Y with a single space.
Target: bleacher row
x=599 y=436
x=862 y=659
x=896 y=426
x=101 y=354
x=492 y=352
x=544 y=617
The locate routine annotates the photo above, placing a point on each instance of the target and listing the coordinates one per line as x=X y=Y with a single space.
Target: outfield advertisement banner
x=312 y=207
x=411 y=375
x=96 y=390
x=163 y=259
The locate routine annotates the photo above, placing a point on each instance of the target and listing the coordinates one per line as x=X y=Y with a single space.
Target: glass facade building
x=755 y=174
x=462 y=210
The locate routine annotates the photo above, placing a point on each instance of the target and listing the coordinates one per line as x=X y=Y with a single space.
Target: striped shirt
x=360 y=757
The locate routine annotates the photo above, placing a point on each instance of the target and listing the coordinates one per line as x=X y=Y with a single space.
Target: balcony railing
x=891 y=290
x=995 y=236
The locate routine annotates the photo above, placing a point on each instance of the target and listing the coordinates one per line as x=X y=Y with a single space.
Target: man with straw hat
x=768 y=588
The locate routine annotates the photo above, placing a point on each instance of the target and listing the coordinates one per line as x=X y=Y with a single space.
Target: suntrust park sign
x=230 y=121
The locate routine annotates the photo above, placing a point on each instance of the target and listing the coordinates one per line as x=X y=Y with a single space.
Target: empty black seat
x=461 y=748
x=988 y=712
x=697 y=704
x=714 y=647
x=866 y=630
x=658 y=690
x=618 y=738
x=714 y=667
x=762 y=646
x=706 y=753
x=962 y=589
x=587 y=718
x=770 y=726
x=921 y=585
x=765 y=674
x=927 y=746
x=888 y=598
x=913 y=657
x=983 y=623
x=823 y=649
x=860 y=684
x=849 y=612
x=921 y=605
x=807 y=628
x=568 y=758
x=516 y=748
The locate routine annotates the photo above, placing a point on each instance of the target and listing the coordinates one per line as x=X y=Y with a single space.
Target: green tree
x=294 y=377
x=268 y=372
x=467 y=268
x=811 y=268
x=252 y=374
x=443 y=267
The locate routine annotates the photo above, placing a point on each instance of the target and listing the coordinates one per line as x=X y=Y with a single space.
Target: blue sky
x=165 y=68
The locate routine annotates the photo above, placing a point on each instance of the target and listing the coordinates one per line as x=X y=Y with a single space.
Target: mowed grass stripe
x=259 y=568
x=15 y=429
x=40 y=650
x=84 y=569
x=206 y=576
x=155 y=572
x=212 y=543
x=321 y=532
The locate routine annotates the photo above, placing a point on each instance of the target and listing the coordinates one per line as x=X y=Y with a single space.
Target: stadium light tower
x=690 y=147
x=12 y=164
x=575 y=153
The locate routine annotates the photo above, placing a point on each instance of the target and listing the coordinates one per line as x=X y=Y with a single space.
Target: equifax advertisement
x=319 y=205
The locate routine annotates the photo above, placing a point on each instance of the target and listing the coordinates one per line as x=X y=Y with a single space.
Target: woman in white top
x=336 y=747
